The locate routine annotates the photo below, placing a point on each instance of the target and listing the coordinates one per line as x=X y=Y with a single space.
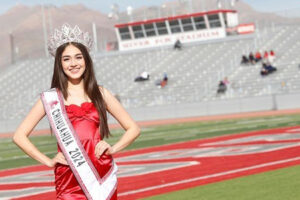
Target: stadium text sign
x=246 y=28
x=186 y=37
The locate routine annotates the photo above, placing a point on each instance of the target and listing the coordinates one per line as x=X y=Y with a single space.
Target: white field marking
x=46 y=189
x=9 y=141
x=276 y=136
x=159 y=134
x=18 y=168
x=18 y=150
x=23 y=156
x=179 y=136
x=195 y=132
x=294 y=130
x=5 y=140
x=224 y=127
x=162 y=135
x=186 y=164
x=227 y=128
x=209 y=176
x=262 y=120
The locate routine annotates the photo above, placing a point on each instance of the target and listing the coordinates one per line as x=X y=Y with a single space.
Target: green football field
x=277 y=184
x=282 y=184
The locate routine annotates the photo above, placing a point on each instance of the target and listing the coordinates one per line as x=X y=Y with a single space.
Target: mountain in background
x=246 y=13
x=25 y=23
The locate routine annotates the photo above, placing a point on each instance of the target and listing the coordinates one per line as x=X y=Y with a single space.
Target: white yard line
x=209 y=176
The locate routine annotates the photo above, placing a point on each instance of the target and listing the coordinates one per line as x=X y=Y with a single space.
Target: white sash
x=94 y=187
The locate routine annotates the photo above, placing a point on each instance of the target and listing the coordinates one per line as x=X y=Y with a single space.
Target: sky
x=104 y=5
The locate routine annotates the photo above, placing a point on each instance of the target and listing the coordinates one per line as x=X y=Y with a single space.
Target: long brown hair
x=91 y=88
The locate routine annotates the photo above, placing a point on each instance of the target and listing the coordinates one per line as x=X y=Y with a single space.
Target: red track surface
x=206 y=168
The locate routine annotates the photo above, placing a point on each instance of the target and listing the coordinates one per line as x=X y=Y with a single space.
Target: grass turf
x=281 y=184
x=12 y=157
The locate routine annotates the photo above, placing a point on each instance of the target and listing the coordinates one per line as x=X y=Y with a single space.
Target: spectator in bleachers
x=165 y=77
x=226 y=81
x=272 y=53
x=223 y=85
x=258 y=56
x=267 y=69
x=144 y=76
x=271 y=56
x=263 y=71
x=251 y=58
x=162 y=83
x=245 y=60
x=221 y=88
x=177 y=45
x=270 y=68
x=266 y=57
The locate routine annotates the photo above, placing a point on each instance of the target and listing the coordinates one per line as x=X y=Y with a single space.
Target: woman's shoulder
x=102 y=89
x=105 y=92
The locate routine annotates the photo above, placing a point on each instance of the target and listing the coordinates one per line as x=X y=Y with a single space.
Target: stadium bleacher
x=246 y=80
x=193 y=72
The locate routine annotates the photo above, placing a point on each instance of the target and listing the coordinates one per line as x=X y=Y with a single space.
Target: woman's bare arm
x=24 y=130
x=132 y=131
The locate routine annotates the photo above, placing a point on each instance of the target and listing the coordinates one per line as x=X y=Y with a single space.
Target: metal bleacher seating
x=193 y=72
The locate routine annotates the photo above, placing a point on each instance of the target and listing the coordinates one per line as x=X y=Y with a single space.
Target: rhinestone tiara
x=66 y=35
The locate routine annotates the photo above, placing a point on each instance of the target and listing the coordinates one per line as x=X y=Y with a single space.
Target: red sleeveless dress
x=85 y=121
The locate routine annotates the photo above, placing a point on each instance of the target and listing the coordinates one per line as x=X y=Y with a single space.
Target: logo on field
x=178 y=165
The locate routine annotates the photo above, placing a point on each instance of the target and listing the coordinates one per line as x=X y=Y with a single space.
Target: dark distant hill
x=25 y=25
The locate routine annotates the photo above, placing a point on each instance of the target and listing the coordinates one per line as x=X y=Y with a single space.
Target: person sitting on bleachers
x=177 y=45
x=270 y=68
x=266 y=57
x=258 y=56
x=251 y=58
x=263 y=71
x=144 y=76
x=221 y=87
x=162 y=83
x=245 y=60
x=267 y=69
x=226 y=81
x=271 y=57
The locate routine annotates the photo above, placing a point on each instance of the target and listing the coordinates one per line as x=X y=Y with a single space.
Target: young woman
x=83 y=104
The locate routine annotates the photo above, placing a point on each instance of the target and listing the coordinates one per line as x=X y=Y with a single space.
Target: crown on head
x=66 y=35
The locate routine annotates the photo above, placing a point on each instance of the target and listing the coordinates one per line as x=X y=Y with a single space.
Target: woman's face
x=73 y=62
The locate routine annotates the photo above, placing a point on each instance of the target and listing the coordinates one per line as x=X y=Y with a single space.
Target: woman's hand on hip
x=103 y=147
x=58 y=158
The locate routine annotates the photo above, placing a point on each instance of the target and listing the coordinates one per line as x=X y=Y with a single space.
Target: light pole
x=50 y=21
x=187 y=4
x=226 y=3
x=44 y=30
x=95 y=37
x=12 y=48
x=162 y=10
x=129 y=13
x=114 y=14
x=219 y=4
